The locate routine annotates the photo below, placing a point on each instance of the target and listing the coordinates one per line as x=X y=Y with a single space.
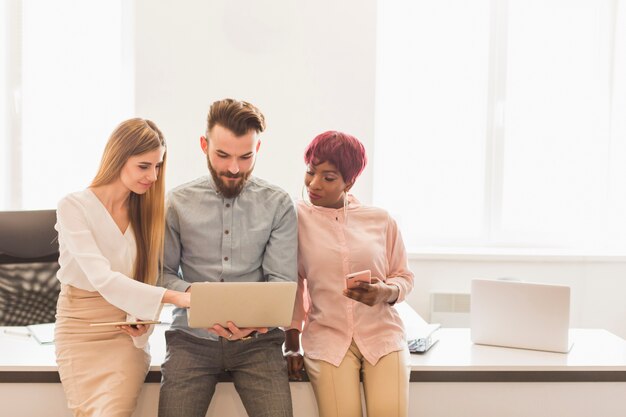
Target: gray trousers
x=192 y=366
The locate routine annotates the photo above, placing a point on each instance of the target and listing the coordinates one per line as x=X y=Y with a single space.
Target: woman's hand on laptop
x=179 y=299
x=235 y=333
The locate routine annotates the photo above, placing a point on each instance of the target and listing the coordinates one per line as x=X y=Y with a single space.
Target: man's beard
x=223 y=188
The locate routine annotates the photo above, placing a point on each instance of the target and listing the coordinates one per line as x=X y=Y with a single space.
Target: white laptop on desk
x=520 y=314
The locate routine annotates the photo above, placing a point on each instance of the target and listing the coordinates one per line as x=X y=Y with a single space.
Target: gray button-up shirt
x=252 y=237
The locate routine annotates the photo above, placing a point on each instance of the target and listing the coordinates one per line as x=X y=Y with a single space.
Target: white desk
x=455 y=378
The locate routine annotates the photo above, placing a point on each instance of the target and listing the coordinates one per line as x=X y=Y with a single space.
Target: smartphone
x=361 y=276
x=124 y=323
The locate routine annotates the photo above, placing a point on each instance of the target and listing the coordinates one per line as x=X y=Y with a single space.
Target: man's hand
x=235 y=333
x=374 y=293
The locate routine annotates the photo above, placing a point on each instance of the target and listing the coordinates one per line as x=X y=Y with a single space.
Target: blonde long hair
x=146 y=211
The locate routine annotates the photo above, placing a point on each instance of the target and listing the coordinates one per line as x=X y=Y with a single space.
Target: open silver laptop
x=246 y=304
x=520 y=315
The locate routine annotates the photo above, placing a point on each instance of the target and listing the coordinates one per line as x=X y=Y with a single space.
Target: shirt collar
x=353 y=203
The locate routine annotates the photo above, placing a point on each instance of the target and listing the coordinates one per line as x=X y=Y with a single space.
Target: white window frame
x=493 y=242
x=11 y=177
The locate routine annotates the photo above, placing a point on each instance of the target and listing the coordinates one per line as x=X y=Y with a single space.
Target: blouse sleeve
x=399 y=273
x=141 y=342
x=136 y=298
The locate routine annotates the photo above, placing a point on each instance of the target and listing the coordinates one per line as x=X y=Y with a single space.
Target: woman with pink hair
x=348 y=330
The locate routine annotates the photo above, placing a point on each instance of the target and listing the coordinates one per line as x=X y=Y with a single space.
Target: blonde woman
x=111 y=245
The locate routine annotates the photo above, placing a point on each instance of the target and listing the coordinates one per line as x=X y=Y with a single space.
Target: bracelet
x=291 y=353
x=392 y=302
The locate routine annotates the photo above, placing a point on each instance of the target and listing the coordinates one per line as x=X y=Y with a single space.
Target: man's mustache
x=231 y=175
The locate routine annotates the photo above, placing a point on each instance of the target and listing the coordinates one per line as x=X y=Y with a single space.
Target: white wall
x=310 y=67
x=597 y=287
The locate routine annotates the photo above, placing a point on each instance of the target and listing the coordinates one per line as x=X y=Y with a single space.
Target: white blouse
x=95 y=255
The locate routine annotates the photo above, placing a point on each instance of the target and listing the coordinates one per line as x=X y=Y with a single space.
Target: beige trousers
x=101 y=370
x=385 y=385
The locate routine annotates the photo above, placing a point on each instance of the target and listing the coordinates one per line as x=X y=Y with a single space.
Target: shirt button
x=222 y=280
x=226 y=232
x=225 y=258
x=227 y=204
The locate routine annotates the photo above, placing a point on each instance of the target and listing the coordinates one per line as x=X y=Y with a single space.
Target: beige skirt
x=101 y=370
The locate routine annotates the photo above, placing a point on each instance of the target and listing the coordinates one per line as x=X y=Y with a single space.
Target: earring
x=303 y=195
x=345 y=206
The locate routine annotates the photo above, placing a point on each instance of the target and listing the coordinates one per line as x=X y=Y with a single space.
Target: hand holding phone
x=361 y=276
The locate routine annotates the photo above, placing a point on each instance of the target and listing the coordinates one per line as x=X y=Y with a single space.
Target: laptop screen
x=520 y=315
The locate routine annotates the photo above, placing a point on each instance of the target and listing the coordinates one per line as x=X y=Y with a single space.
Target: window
x=4 y=126
x=68 y=83
x=501 y=123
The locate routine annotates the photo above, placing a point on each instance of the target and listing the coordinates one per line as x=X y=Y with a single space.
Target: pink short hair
x=344 y=151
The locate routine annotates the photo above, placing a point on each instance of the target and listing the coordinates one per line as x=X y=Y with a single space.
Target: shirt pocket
x=252 y=246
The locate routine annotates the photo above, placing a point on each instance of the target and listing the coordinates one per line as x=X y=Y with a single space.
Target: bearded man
x=227 y=227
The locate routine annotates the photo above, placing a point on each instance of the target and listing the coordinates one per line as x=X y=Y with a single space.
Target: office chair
x=28 y=265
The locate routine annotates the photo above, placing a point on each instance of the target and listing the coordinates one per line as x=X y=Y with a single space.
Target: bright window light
x=431 y=107
x=501 y=123
x=74 y=91
x=557 y=138
x=4 y=99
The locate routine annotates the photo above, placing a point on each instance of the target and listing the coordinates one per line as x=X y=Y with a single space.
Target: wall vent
x=450 y=309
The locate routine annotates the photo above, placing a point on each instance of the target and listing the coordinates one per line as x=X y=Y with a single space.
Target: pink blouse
x=329 y=248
